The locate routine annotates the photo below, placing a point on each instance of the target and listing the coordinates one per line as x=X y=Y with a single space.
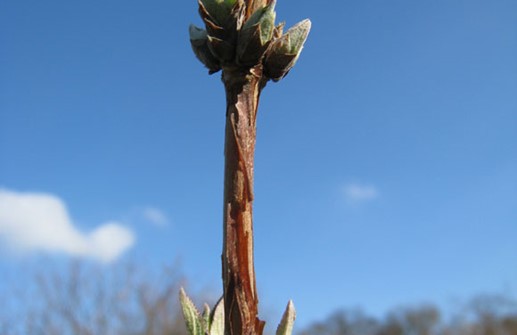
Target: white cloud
x=40 y=222
x=155 y=216
x=356 y=193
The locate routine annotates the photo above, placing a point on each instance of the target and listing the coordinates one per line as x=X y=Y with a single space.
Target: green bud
x=284 y=51
x=191 y=315
x=216 y=325
x=287 y=323
x=255 y=35
x=219 y=10
x=199 y=43
x=207 y=323
x=221 y=49
x=222 y=32
x=264 y=19
x=205 y=316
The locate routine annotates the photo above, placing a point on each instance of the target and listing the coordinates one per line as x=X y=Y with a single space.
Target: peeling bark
x=243 y=89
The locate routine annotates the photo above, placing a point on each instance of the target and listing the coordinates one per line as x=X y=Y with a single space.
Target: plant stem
x=243 y=89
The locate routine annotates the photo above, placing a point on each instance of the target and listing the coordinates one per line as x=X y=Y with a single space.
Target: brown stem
x=243 y=89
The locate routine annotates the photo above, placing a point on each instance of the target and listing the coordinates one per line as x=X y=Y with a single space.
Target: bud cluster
x=243 y=33
x=212 y=322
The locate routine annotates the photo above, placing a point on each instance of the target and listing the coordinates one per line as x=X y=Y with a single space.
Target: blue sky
x=386 y=162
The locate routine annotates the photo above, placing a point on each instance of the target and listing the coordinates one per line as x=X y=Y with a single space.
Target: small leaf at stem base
x=287 y=323
x=193 y=319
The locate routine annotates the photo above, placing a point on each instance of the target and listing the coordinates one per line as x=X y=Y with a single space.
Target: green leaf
x=284 y=51
x=217 y=319
x=292 y=41
x=264 y=20
x=267 y=24
x=287 y=323
x=191 y=315
x=206 y=317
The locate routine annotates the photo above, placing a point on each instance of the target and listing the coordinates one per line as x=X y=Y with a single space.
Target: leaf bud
x=223 y=50
x=222 y=13
x=284 y=51
x=255 y=35
x=199 y=43
x=287 y=323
